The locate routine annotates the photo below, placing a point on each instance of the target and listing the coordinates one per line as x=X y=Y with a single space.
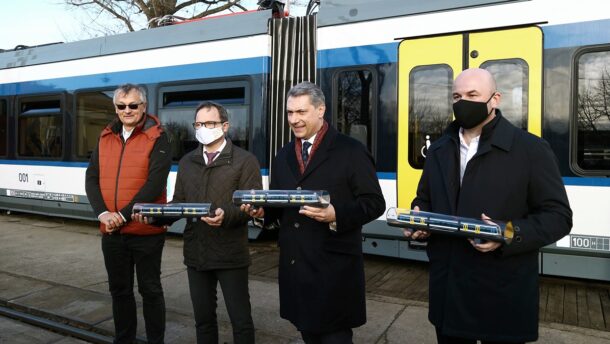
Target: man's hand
x=486 y=246
x=112 y=221
x=142 y=219
x=252 y=211
x=319 y=214
x=215 y=221
x=418 y=234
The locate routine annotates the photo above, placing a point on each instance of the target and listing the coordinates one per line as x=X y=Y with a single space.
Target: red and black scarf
x=298 y=147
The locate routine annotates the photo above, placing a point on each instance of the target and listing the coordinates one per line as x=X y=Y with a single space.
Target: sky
x=36 y=22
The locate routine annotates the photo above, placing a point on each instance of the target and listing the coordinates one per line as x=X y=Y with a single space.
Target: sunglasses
x=131 y=106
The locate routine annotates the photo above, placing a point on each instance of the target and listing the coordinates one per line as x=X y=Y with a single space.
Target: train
x=386 y=68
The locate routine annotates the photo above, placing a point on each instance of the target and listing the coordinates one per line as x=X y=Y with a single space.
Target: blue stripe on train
x=45 y=163
x=361 y=55
x=577 y=34
x=248 y=66
x=555 y=36
x=587 y=181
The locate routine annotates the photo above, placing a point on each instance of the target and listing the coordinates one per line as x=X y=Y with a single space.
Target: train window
x=224 y=96
x=94 y=110
x=40 y=126
x=354 y=111
x=177 y=111
x=593 y=111
x=3 y=126
x=512 y=82
x=430 y=108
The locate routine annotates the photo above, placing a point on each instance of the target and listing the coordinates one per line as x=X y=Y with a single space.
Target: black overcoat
x=512 y=177
x=321 y=273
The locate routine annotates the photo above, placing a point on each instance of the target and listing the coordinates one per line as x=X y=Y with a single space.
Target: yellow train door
x=426 y=69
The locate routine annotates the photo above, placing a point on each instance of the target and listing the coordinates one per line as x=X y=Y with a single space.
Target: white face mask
x=207 y=136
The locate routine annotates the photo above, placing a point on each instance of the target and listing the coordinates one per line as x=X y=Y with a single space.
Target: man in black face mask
x=485 y=167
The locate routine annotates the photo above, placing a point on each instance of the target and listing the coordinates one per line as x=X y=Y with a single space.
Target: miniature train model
x=185 y=210
x=453 y=225
x=282 y=198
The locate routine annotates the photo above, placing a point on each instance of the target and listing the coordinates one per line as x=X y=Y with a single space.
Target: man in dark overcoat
x=321 y=271
x=485 y=167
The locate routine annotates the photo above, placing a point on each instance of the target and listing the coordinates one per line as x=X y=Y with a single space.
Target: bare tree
x=587 y=115
x=603 y=94
x=354 y=108
x=135 y=14
x=594 y=103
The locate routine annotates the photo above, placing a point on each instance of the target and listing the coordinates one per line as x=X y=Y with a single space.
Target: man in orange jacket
x=130 y=164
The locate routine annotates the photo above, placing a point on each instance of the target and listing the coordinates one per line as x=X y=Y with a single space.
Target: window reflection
x=3 y=125
x=512 y=82
x=430 y=109
x=177 y=113
x=94 y=111
x=593 y=111
x=40 y=128
x=355 y=105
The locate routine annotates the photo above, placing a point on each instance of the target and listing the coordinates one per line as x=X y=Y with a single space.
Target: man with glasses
x=216 y=247
x=130 y=164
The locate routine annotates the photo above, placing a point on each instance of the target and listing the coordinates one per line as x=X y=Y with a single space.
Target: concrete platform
x=54 y=268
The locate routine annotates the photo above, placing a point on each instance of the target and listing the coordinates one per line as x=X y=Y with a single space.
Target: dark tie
x=305 y=152
x=210 y=156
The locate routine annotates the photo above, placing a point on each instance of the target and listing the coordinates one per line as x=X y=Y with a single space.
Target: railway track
x=574 y=302
x=56 y=326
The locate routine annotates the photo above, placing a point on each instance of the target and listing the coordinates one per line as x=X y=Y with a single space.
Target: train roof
x=332 y=12
x=335 y=12
x=210 y=29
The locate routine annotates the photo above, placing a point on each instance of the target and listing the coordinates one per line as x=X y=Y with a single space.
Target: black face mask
x=469 y=114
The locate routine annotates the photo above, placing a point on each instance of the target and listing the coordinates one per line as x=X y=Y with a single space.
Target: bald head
x=475 y=99
x=474 y=81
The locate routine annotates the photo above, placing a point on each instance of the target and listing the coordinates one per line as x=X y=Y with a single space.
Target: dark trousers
x=337 y=337
x=121 y=254
x=442 y=339
x=234 y=284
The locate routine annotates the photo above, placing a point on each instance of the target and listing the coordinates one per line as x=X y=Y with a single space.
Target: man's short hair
x=126 y=88
x=310 y=89
x=224 y=116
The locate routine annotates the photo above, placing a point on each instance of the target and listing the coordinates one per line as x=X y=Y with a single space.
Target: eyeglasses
x=209 y=124
x=131 y=106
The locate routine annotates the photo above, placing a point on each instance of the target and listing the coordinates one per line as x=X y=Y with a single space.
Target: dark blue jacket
x=513 y=177
x=321 y=273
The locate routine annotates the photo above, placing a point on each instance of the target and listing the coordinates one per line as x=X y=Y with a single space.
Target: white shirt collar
x=463 y=141
x=222 y=146
x=311 y=139
x=467 y=152
x=127 y=134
